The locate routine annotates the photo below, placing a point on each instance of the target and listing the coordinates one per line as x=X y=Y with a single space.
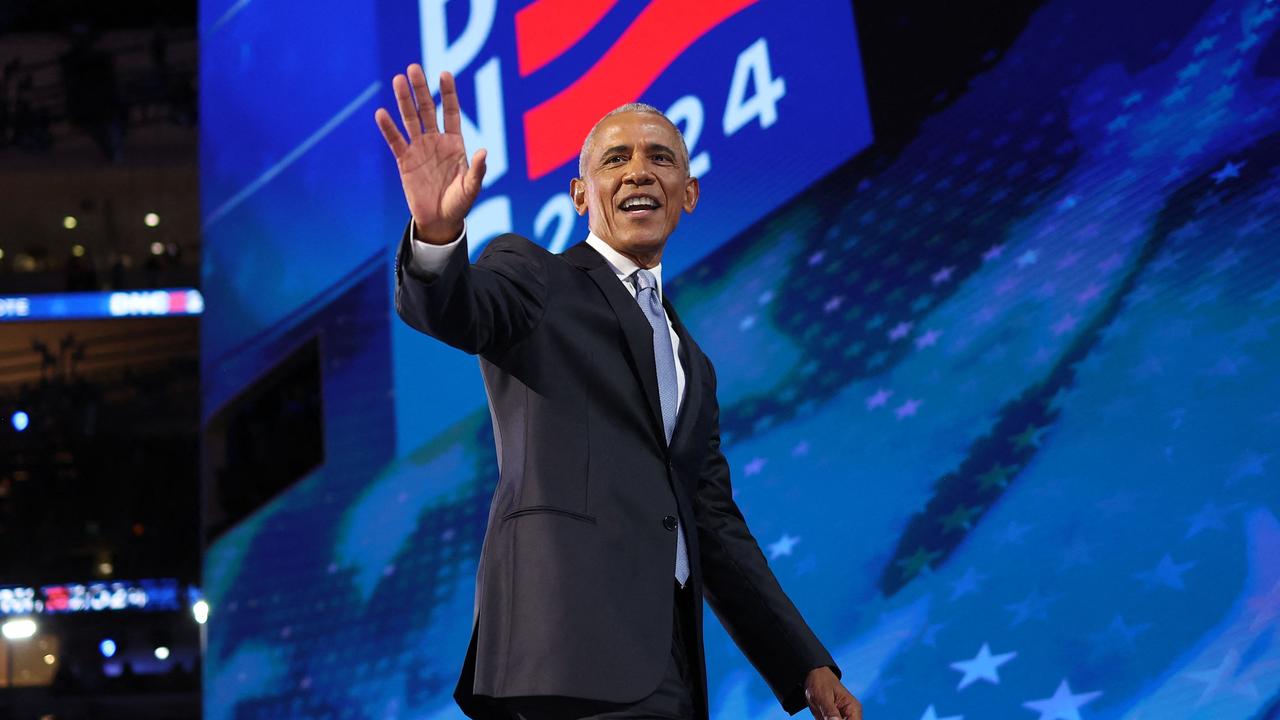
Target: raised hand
x=438 y=184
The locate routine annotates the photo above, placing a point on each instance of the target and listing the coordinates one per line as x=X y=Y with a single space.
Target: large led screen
x=299 y=191
x=1001 y=398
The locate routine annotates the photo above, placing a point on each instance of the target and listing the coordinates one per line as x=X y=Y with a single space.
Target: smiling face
x=635 y=184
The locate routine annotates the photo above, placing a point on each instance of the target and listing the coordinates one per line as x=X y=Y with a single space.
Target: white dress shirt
x=430 y=259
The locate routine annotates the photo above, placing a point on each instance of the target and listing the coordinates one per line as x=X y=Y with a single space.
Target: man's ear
x=690 y=194
x=578 y=193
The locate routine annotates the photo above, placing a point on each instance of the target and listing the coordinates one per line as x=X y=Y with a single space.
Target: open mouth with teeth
x=640 y=205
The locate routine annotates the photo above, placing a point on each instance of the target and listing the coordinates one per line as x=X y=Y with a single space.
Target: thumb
x=474 y=177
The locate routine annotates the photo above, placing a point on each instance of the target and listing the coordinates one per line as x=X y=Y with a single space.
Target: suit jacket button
x=669 y=522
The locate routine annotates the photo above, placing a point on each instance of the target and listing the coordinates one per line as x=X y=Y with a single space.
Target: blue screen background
x=1001 y=408
x=300 y=194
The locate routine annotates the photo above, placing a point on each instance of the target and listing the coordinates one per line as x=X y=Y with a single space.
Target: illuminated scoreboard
x=101 y=305
x=153 y=595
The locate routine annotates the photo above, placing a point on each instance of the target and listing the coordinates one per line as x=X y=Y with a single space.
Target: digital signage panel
x=300 y=194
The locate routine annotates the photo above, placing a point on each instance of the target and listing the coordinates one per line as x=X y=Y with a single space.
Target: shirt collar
x=622 y=265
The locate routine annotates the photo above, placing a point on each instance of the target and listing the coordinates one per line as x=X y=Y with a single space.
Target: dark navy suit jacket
x=574 y=586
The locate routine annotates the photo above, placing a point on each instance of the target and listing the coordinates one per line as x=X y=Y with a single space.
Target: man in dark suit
x=613 y=516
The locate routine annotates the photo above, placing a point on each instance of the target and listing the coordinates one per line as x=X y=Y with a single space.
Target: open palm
x=439 y=186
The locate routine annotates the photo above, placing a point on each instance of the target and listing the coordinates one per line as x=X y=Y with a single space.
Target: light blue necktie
x=665 y=358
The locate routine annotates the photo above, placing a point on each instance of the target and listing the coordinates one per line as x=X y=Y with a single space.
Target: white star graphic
x=1064 y=705
x=1013 y=532
x=966 y=584
x=1033 y=607
x=1167 y=573
x=928 y=339
x=1229 y=171
x=880 y=397
x=783 y=546
x=1209 y=517
x=931 y=714
x=984 y=666
x=1118 y=636
x=1215 y=678
x=908 y=408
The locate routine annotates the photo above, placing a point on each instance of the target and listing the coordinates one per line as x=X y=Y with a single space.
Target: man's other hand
x=828 y=699
x=438 y=184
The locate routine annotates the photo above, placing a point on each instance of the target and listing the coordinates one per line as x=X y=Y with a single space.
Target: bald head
x=635 y=107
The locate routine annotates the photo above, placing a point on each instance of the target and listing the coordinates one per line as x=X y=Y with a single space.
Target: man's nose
x=639 y=172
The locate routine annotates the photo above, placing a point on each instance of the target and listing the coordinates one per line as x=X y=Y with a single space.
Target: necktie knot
x=645 y=280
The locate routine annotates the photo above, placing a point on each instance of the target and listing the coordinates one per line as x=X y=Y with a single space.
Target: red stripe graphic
x=554 y=129
x=546 y=28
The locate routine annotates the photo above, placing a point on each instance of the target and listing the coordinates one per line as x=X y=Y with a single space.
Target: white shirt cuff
x=429 y=258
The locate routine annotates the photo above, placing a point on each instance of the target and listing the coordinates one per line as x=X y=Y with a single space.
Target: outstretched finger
x=408 y=112
x=390 y=132
x=449 y=101
x=422 y=94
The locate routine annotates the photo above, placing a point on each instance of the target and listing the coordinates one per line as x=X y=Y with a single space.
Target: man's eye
x=613 y=158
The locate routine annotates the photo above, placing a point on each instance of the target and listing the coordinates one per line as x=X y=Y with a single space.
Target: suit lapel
x=639 y=335
x=691 y=405
x=635 y=326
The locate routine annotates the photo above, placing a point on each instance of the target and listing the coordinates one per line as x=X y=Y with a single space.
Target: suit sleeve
x=742 y=590
x=482 y=309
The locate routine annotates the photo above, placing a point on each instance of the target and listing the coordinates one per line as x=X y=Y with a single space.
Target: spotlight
x=151 y=219
x=157 y=248
x=108 y=647
x=20 y=420
x=19 y=628
x=77 y=250
x=200 y=609
x=50 y=659
x=162 y=653
x=69 y=222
